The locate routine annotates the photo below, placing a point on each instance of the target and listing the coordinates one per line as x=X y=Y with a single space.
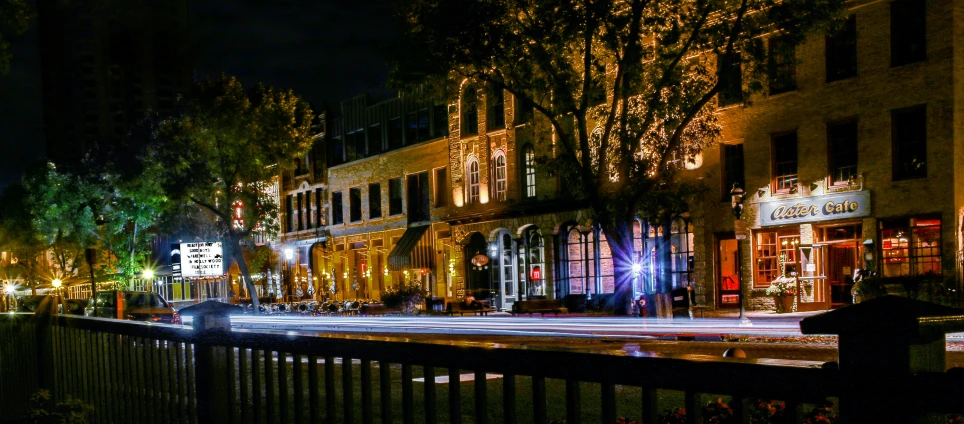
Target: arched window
x=529 y=171
x=469 y=109
x=507 y=266
x=501 y=182
x=495 y=114
x=534 y=262
x=575 y=261
x=473 y=180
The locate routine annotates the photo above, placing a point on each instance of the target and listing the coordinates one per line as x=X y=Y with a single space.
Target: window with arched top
x=469 y=112
x=473 y=180
x=500 y=177
x=529 y=171
x=495 y=113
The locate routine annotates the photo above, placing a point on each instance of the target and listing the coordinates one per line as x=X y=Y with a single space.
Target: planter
x=784 y=303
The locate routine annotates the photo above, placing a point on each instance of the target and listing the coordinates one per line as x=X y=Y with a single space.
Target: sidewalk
x=759 y=315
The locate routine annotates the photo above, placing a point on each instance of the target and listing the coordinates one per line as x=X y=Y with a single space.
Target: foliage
x=628 y=87
x=718 y=412
x=868 y=284
x=224 y=151
x=46 y=411
x=821 y=414
x=676 y=416
x=406 y=297
x=14 y=16
x=782 y=286
x=18 y=236
x=767 y=411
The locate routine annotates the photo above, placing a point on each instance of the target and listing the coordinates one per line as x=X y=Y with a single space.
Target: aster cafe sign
x=203 y=259
x=827 y=207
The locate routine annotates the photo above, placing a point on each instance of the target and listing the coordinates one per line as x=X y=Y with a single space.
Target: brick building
x=850 y=158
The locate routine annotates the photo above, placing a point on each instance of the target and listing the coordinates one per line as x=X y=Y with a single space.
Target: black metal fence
x=142 y=373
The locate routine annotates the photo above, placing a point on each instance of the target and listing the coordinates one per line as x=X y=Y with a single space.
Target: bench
x=460 y=309
x=539 y=306
x=378 y=309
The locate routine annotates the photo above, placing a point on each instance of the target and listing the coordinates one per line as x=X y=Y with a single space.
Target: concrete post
x=883 y=343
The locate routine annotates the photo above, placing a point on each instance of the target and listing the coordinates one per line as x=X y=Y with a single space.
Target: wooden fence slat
x=269 y=385
x=385 y=386
x=330 y=402
x=431 y=416
x=608 y=394
x=455 y=396
x=539 y=399
x=408 y=395
x=481 y=398
x=299 y=388
x=313 y=400
x=366 y=391
x=509 y=398
x=573 y=402
x=348 y=399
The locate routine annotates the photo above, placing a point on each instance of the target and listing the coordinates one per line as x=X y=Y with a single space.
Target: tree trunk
x=235 y=241
x=620 y=239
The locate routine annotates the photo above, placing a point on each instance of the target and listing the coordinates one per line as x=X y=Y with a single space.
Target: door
x=507 y=274
x=728 y=279
x=840 y=270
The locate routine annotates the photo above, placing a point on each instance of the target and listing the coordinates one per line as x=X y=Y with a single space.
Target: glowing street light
x=56 y=283
x=637 y=268
x=148 y=274
x=9 y=289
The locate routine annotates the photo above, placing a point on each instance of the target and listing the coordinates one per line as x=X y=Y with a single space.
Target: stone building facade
x=852 y=158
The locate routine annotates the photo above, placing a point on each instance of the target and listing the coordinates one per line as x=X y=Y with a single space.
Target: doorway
x=728 y=279
x=842 y=261
x=479 y=283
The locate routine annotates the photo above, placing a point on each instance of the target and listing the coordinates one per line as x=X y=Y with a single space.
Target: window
x=495 y=116
x=302 y=166
x=354 y=204
x=473 y=180
x=290 y=212
x=771 y=248
x=732 y=172
x=469 y=118
x=319 y=218
x=730 y=74
x=337 y=212
x=784 y=161
x=374 y=201
x=395 y=133
x=395 y=196
x=781 y=66
x=842 y=146
x=416 y=126
x=418 y=201
x=441 y=121
x=301 y=211
x=910 y=247
x=374 y=139
x=842 y=51
x=337 y=151
x=501 y=183
x=441 y=188
x=523 y=110
x=529 y=171
x=909 y=137
x=908 y=32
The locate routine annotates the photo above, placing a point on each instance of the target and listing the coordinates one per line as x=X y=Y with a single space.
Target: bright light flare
x=56 y=283
x=10 y=288
x=637 y=268
x=148 y=274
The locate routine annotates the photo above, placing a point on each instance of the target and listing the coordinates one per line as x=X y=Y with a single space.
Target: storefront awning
x=414 y=250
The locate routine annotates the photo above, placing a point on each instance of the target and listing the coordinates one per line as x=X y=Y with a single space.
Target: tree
x=629 y=87
x=18 y=236
x=14 y=16
x=224 y=151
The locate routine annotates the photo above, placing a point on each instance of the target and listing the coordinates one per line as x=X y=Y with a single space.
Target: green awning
x=414 y=250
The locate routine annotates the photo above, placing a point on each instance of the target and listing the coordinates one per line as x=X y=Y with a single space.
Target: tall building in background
x=104 y=65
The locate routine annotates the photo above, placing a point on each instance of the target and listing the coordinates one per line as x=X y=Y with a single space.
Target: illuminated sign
x=816 y=208
x=480 y=260
x=204 y=259
x=536 y=273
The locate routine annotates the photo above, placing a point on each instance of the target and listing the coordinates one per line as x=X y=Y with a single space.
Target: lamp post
x=148 y=276
x=287 y=278
x=736 y=201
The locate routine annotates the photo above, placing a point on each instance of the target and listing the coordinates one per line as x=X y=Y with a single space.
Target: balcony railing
x=147 y=373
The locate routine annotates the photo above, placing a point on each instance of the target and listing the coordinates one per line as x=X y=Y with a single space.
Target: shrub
x=45 y=411
x=406 y=298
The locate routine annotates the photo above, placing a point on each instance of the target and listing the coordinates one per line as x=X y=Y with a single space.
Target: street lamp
x=736 y=202
x=148 y=276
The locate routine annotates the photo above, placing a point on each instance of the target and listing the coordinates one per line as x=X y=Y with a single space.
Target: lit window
x=501 y=183
x=474 y=182
x=529 y=161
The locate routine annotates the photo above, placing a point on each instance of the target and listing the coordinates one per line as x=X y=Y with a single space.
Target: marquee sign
x=204 y=259
x=827 y=207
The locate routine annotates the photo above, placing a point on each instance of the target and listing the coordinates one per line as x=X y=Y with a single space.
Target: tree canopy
x=629 y=87
x=224 y=151
x=14 y=16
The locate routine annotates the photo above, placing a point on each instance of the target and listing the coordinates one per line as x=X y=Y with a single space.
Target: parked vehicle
x=30 y=303
x=132 y=305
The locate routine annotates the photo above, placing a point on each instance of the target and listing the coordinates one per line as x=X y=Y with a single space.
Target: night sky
x=326 y=51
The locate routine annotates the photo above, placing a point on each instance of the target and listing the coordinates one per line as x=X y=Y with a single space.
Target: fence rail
x=149 y=373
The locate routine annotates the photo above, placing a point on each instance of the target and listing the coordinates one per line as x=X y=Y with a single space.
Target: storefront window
x=574 y=261
x=606 y=273
x=771 y=249
x=508 y=265
x=910 y=247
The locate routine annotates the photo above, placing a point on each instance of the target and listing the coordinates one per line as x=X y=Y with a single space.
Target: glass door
x=728 y=280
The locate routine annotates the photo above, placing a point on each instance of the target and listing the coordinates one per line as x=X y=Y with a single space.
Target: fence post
x=883 y=343
x=212 y=324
